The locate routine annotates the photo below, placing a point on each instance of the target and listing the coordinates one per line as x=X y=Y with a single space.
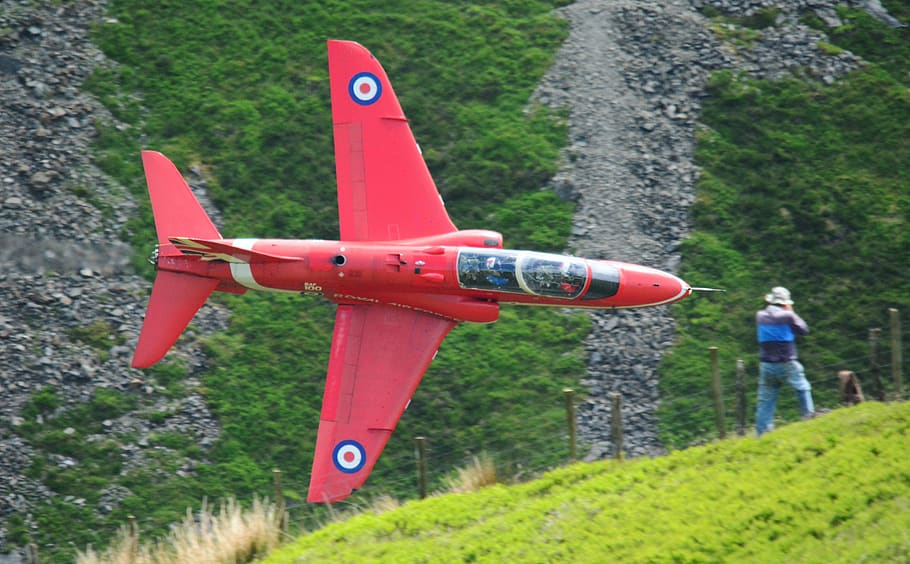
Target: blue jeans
x=773 y=375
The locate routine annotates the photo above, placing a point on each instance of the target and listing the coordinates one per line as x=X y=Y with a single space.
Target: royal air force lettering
x=349 y=456
x=365 y=88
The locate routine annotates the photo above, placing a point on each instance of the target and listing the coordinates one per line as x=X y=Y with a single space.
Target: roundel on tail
x=365 y=88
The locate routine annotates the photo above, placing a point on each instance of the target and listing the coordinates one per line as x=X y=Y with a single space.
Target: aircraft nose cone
x=646 y=286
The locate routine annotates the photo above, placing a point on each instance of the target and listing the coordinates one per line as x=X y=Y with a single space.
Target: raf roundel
x=365 y=88
x=349 y=456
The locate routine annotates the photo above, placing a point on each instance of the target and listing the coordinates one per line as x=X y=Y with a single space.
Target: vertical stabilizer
x=177 y=212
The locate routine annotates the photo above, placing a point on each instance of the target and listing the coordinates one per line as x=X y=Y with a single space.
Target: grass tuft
x=233 y=535
x=480 y=474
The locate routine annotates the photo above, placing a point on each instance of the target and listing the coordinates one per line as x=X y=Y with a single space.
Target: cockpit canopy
x=539 y=274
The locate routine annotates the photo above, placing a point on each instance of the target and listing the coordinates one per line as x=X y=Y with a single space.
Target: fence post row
x=616 y=423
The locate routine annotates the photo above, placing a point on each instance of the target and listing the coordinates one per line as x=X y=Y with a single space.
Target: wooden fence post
x=421 y=466
x=741 y=397
x=616 y=420
x=875 y=337
x=31 y=555
x=279 y=500
x=718 y=395
x=569 y=394
x=134 y=536
x=897 y=355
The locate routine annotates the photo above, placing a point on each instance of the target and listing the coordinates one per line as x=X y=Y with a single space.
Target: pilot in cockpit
x=495 y=276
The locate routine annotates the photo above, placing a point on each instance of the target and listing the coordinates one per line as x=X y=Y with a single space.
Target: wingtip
x=142 y=359
x=148 y=351
x=149 y=155
x=340 y=43
x=316 y=496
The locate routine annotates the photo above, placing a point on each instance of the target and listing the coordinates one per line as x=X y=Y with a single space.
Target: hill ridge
x=833 y=489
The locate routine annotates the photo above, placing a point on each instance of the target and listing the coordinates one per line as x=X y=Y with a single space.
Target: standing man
x=778 y=327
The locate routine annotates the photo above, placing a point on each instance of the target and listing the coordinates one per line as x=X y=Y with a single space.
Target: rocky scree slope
x=62 y=266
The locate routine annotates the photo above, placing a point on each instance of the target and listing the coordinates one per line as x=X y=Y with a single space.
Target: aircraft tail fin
x=176 y=209
x=176 y=297
x=175 y=300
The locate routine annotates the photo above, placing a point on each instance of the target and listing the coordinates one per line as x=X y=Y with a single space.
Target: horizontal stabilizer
x=175 y=300
x=228 y=250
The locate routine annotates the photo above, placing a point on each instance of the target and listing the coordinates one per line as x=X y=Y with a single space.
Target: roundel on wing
x=349 y=456
x=365 y=88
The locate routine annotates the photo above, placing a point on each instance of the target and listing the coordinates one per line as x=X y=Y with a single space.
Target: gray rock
x=60 y=267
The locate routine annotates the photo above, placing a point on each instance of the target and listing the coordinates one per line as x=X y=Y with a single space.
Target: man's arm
x=799 y=326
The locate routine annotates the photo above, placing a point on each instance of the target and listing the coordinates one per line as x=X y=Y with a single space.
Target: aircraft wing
x=385 y=191
x=379 y=354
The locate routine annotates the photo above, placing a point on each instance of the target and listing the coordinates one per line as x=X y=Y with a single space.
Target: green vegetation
x=803 y=185
x=239 y=92
x=99 y=335
x=169 y=375
x=835 y=489
x=42 y=402
x=74 y=460
x=243 y=92
x=741 y=32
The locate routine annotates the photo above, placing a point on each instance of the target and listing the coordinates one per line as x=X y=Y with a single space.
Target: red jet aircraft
x=402 y=274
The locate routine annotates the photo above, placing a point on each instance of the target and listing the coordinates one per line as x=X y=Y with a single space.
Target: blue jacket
x=777 y=332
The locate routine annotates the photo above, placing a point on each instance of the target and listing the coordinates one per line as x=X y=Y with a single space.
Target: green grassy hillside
x=835 y=489
x=803 y=185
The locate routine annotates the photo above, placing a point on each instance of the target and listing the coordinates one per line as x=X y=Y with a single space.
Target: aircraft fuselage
x=461 y=276
x=402 y=273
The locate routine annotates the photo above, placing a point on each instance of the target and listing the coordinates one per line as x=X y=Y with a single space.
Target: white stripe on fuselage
x=242 y=272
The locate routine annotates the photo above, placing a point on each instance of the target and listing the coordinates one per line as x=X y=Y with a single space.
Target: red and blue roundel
x=349 y=456
x=365 y=88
